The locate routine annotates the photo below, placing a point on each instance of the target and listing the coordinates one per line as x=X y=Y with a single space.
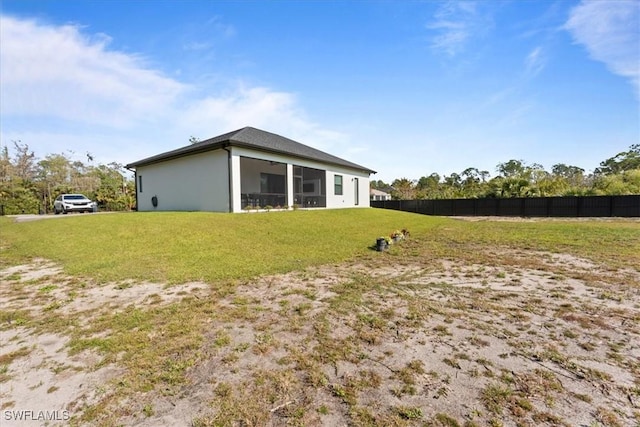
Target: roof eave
x=221 y=144
x=299 y=156
x=171 y=155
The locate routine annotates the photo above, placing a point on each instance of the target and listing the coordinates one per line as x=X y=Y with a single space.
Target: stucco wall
x=347 y=199
x=199 y=182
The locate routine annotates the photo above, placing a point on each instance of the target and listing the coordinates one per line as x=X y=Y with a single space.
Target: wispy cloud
x=535 y=61
x=194 y=45
x=610 y=31
x=260 y=107
x=59 y=75
x=257 y=106
x=59 y=72
x=455 y=24
x=222 y=28
x=203 y=37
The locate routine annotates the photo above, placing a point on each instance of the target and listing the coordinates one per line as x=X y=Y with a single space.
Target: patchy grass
x=465 y=323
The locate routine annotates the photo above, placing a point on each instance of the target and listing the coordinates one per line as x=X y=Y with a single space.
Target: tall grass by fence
x=584 y=206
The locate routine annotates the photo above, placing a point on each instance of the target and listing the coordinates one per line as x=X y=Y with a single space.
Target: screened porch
x=263 y=183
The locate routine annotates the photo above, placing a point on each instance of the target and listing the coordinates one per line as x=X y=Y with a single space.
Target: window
x=140 y=183
x=271 y=183
x=74 y=197
x=337 y=185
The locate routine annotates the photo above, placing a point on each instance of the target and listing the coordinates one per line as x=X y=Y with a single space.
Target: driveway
x=34 y=217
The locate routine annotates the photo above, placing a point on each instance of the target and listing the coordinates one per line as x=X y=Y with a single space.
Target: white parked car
x=66 y=203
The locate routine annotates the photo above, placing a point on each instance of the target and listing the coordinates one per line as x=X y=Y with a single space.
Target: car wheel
x=64 y=211
x=56 y=211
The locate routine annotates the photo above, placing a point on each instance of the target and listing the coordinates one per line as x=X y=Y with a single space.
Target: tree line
x=30 y=185
x=618 y=175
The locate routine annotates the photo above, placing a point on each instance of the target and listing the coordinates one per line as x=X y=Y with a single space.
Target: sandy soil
x=533 y=338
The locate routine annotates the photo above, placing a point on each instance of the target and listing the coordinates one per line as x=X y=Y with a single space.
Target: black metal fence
x=584 y=206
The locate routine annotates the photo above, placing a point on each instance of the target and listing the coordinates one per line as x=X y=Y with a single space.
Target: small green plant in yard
x=588 y=346
x=301 y=309
x=222 y=339
x=147 y=410
x=583 y=397
x=14 y=277
x=410 y=372
x=409 y=413
x=264 y=343
x=441 y=330
x=446 y=420
x=4 y=373
x=338 y=391
x=607 y=417
x=495 y=396
x=8 y=358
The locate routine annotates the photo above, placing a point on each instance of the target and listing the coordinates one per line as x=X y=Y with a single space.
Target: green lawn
x=177 y=246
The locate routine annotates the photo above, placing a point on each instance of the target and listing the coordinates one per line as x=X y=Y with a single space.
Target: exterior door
x=356 y=195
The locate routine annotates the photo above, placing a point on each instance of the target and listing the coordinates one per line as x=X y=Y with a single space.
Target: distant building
x=379 y=195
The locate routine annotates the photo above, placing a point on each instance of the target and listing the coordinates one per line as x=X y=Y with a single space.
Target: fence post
x=611 y=198
x=579 y=207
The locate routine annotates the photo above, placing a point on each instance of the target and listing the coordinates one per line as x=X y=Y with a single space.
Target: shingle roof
x=257 y=139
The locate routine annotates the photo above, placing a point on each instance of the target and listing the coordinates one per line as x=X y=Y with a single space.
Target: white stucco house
x=377 y=195
x=248 y=168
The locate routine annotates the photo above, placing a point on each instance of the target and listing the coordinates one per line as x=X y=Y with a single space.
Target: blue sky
x=406 y=88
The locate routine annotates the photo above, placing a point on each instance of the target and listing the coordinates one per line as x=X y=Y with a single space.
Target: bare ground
x=522 y=338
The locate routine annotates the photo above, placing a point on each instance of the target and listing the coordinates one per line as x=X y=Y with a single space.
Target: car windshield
x=74 y=197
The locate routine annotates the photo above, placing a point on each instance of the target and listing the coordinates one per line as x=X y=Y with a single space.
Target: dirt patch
x=43 y=284
x=44 y=378
x=534 y=338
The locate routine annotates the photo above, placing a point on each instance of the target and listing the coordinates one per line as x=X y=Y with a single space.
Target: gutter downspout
x=135 y=181
x=229 y=175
